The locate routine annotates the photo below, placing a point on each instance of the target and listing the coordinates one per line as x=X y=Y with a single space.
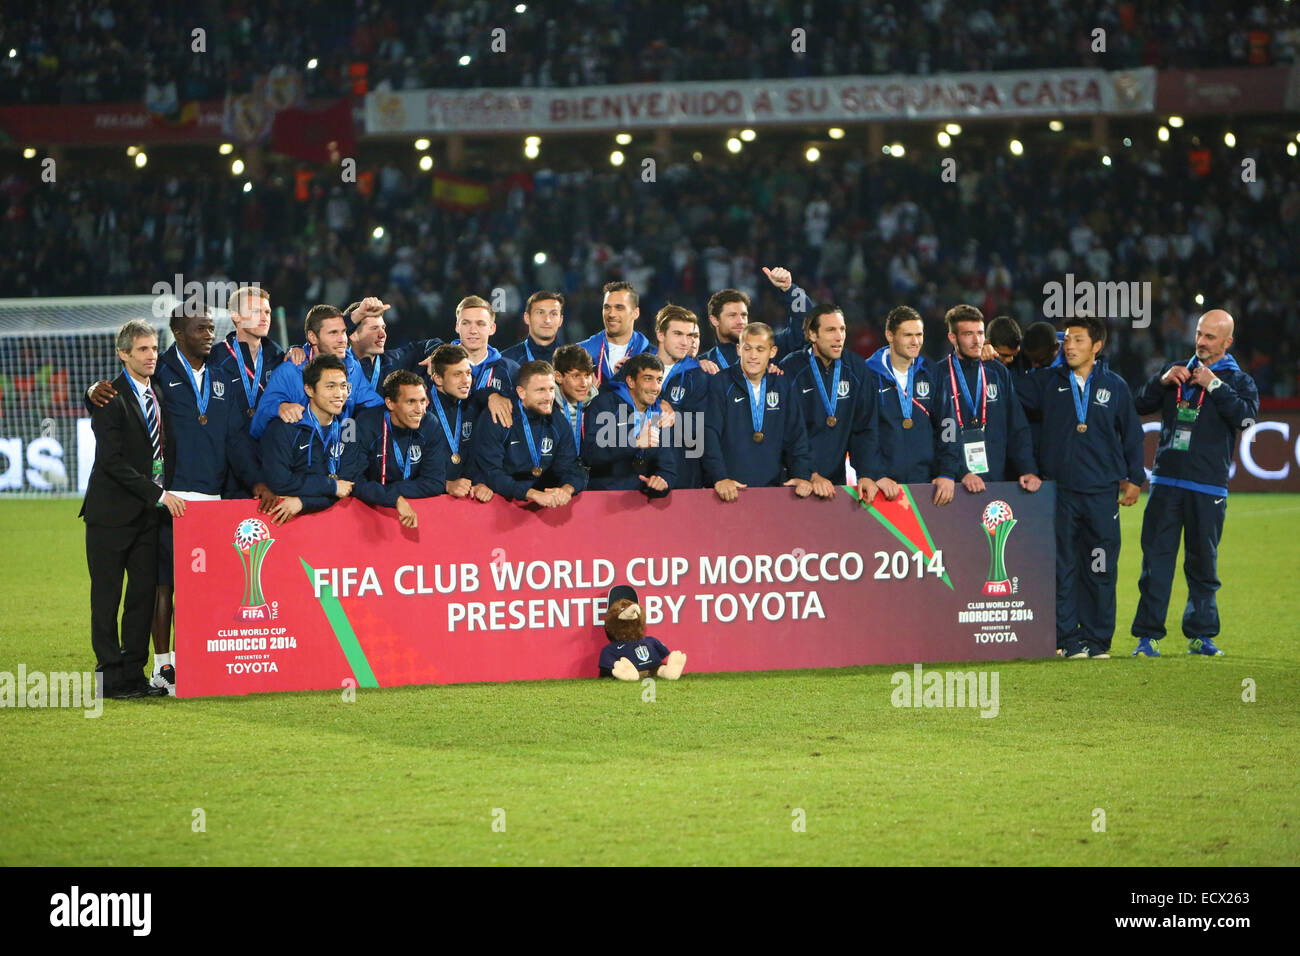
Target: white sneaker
x=165 y=676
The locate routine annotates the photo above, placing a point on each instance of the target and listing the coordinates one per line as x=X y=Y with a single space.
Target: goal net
x=51 y=351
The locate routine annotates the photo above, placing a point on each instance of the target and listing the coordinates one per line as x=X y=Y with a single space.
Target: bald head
x=1213 y=336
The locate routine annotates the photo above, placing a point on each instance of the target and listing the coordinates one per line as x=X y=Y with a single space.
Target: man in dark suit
x=134 y=460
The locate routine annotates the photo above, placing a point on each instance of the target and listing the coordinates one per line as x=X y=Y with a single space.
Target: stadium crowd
x=868 y=233
x=88 y=51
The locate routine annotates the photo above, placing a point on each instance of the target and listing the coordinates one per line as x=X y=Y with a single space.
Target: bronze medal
x=537 y=471
x=203 y=419
x=758 y=438
x=907 y=423
x=1081 y=428
x=455 y=458
x=830 y=422
x=1184 y=404
x=248 y=412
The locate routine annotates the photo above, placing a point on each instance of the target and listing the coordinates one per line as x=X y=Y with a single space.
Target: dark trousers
x=1087 y=552
x=1197 y=518
x=111 y=552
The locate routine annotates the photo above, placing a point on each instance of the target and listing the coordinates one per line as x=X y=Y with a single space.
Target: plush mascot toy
x=630 y=654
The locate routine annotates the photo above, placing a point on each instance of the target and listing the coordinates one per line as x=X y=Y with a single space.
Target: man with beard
x=543 y=316
x=729 y=314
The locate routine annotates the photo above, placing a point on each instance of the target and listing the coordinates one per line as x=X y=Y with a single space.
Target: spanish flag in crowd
x=458 y=193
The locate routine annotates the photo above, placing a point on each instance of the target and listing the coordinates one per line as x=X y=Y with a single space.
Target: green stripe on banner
x=911 y=546
x=342 y=628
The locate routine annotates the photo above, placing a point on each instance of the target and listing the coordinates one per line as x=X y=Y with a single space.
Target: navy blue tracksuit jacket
x=1008 y=442
x=422 y=472
x=729 y=447
x=296 y=460
x=854 y=405
x=455 y=411
x=233 y=358
x=1087 y=468
x=916 y=454
x=1189 y=495
x=609 y=446
x=407 y=358
x=502 y=460
x=530 y=351
x=789 y=339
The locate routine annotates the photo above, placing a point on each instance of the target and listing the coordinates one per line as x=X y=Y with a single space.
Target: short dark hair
x=813 y=320
x=542 y=296
x=900 y=314
x=530 y=370
x=1004 y=331
x=962 y=313
x=445 y=356
x=316 y=317
x=639 y=363
x=621 y=287
x=1096 y=327
x=182 y=313
x=394 y=381
x=673 y=313
x=311 y=373
x=1039 y=343
x=571 y=358
x=722 y=297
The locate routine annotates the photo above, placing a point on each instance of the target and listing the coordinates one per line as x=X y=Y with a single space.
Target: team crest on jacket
x=416 y=453
x=465 y=429
x=991 y=390
x=336 y=450
x=773 y=399
x=1103 y=396
x=547 y=444
x=219 y=389
x=843 y=390
x=922 y=389
x=676 y=392
x=643 y=654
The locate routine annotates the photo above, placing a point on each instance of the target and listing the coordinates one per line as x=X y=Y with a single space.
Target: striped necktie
x=155 y=433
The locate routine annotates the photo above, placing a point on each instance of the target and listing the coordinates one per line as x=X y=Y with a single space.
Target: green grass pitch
x=713 y=771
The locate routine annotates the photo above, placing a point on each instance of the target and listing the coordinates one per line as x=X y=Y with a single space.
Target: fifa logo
x=252 y=541
x=998 y=522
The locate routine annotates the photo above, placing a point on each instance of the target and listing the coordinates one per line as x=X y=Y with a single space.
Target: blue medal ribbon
x=821 y=386
x=485 y=376
x=252 y=390
x=528 y=350
x=200 y=398
x=374 y=374
x=328 y=442
x=528 y=434
x=402 y=462
x=722 y=359
x=905 y=397
x=1081 y=399
x=979 y=416
x=756 y=411
x=453 y=438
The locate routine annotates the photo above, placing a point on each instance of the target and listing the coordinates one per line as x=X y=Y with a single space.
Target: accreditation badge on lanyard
x=972 y=434
x=1186 y=417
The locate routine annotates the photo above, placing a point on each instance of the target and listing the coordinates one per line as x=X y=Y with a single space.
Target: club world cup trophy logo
x=998 y=523
x=252 y=541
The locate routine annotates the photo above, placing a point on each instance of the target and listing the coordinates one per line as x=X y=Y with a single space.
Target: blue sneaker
x=1203 y=645
x=1146 y=648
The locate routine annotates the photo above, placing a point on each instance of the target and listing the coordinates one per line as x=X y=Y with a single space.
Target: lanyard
x=528 y=434
x=1179 y=399
x=485 y=376
x=600 y=363
x=402 y=463
x=200 y=398
x=641 y=420
x=756 y=410
x=329 y=442
x=453 y=438
x=965 y=392
x=528 y=350
x=374 y=374
x=576 y=422
x=254 y=389
x=1080 y=395
x=827 y=403
x=722 y=359
x=905 y=399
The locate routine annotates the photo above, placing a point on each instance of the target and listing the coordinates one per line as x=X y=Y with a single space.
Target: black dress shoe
x=124 y=693
x=146 y=689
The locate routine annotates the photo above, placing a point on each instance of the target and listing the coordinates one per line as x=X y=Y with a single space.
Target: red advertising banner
x=111 y=123
x=496 y=592
x=1267 y=458
x=1259 y=89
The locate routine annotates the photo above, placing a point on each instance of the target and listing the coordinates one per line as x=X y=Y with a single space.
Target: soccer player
x=327 y=334
x=307 y=462
x=729 y=315
x=249 y=354
x=401 y=445
x=533 y=459
x=992 y=433
x=135 y=453
x=1040 y=348
x=574 y=374
x=619 y=340
x=368 y=335
x=492 y=376
x=543 y=315
x=909 y=430
x=831 y=389
x=623 y=445
x=685 y=387
x=1002 y=340
x=1204 y=404
x=754 y=435
x=1092 y=447
x=452 y=378
x=211 y=435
